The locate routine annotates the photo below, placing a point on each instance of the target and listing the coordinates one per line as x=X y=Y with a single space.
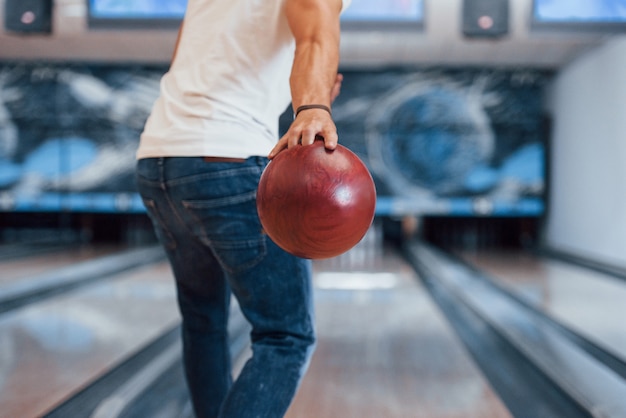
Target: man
x=201 y=154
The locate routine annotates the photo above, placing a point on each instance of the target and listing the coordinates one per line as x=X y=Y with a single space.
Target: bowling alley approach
x=461 y=246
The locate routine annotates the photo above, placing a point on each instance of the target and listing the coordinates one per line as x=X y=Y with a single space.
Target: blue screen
x=137 y=9
x=359 y=10
x=384 y=11
x=565 y=11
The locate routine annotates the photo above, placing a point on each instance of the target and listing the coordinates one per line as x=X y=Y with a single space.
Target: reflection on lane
x=584 y=300
x=50 y=349
x=384 y=349
x=14 y=269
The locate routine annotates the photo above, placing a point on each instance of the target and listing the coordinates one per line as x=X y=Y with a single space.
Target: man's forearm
x=315 y=26
x=313 y=76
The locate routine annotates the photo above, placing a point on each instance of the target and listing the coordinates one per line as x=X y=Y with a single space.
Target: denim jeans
x=204 y=214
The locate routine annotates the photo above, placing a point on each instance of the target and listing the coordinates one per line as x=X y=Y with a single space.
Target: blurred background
x=487 y=125
x=457 y=123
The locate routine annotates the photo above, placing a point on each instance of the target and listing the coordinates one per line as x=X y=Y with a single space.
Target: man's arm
x=314 y=78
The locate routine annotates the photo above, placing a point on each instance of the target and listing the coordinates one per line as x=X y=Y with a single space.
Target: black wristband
x=311 y=106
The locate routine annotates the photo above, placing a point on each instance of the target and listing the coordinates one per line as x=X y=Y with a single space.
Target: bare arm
x=314 y=78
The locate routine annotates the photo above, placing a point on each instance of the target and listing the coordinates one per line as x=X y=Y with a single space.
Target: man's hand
x=309 y=125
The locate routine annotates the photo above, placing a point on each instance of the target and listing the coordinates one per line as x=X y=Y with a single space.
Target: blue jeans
x=204 y=214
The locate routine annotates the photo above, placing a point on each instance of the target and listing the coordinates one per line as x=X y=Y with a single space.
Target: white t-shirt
x=227 y=86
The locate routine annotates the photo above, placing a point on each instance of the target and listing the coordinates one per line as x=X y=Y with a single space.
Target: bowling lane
x=15 y=250
x=589 y=302
x=12 y=270
x=384 y=348
x=51 y=349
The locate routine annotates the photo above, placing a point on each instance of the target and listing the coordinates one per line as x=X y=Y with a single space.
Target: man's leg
x=276 y=299
x=210 y=210
x=203 y=293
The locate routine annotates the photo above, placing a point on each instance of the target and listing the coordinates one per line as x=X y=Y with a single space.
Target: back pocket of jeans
x=231 y=228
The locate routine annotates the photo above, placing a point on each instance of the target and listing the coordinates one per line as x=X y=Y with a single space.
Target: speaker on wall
x=28 y=16
x=485 y=18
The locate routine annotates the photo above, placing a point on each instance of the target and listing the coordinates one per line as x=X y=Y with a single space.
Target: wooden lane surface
x=589 y=302
x=51 y=349
x=385 y=350
x=11 y=270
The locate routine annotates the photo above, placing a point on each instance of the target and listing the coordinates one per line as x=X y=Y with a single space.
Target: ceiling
x=439 y=43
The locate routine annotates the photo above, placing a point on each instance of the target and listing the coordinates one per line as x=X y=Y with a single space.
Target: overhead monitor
x=368 y=14
x=142 y=14
x=135 y=14
x=603 y=15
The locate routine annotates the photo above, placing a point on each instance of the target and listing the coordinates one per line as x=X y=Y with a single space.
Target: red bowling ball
x=316 y=203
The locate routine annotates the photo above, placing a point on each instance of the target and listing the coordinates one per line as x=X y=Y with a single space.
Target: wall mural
x=457 y=142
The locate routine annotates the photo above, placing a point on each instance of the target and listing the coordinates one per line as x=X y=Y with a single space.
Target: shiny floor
x=13 y=270
x=384 y=348
x=587 y=301
x=51 y=349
